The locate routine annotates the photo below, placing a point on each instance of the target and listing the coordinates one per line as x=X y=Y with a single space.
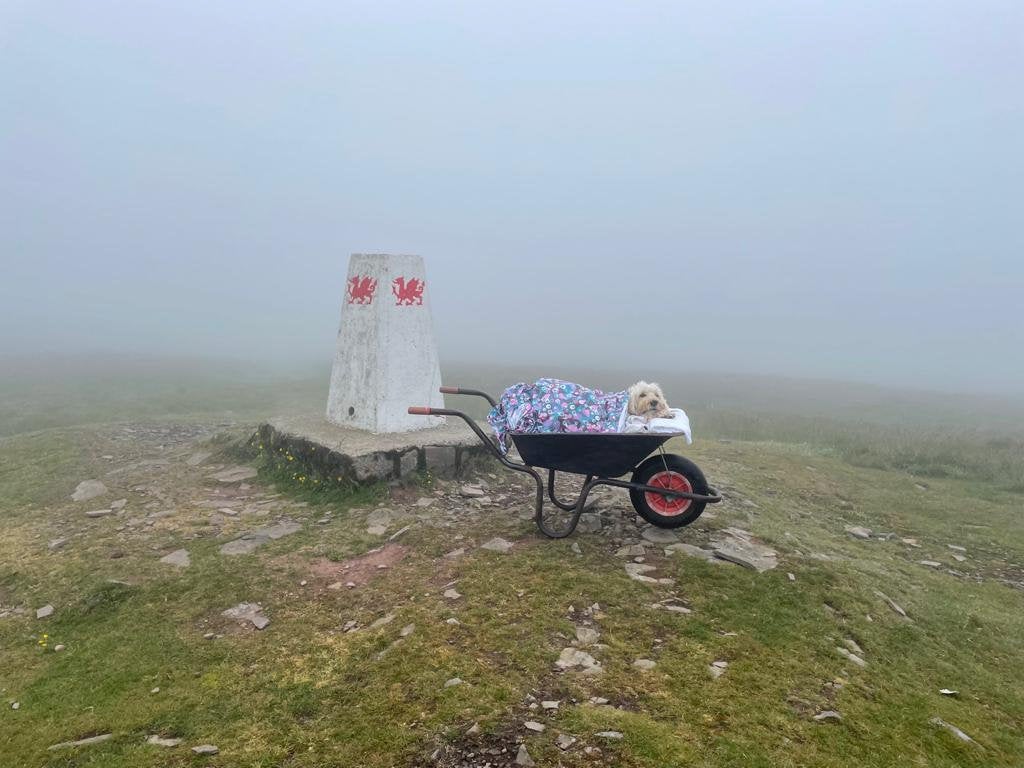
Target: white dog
x=648 y=401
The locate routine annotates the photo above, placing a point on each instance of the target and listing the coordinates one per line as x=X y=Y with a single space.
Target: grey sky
x=808 y=188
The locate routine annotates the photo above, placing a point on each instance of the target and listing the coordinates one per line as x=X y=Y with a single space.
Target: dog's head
x=647 y=400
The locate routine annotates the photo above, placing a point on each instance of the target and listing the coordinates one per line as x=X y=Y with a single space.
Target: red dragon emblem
x=361 y=290
x=408 y=293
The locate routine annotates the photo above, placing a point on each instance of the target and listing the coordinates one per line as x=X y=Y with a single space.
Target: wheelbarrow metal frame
x=591 y=480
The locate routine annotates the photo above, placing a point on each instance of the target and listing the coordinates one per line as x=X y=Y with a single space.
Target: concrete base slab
x=328 y=450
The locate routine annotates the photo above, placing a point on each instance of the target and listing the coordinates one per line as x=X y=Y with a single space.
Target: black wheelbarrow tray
x=667 y=490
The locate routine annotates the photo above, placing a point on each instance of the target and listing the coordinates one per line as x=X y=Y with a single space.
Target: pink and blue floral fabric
x=551 y=405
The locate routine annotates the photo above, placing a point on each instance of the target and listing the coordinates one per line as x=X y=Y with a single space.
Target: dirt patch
x=359 y=570
x=495 y=748
x=470 y=756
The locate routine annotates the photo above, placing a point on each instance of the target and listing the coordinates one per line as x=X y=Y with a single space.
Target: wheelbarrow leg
x=524 y=468
x=577 y=510
x=554 y=499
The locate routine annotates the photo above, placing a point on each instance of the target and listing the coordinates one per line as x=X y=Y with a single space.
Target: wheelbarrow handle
x=419 y=410
x=464 y=391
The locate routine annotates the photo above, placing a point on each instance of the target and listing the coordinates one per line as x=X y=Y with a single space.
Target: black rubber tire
x=651 y=467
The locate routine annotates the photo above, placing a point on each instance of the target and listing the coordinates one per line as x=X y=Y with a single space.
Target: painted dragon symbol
x=408 y=293
x=361 y=290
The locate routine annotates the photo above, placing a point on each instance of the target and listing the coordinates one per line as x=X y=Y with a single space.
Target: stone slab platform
x=323 y=448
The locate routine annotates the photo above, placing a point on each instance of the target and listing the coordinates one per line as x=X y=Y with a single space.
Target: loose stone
x=498 y=544
x=829 y=715
x=692 y=551
x=160 y=741
x=938 y=721
x=81 y=742
x=574 y=657
x=179 y=558
x=523 y=757
x=741 y=547
x=682 y=609
x=586 y=636
x=251 y=612
x=382 y=621
x=88 y=489
x=851 y=656
x=892 y=604
x=633 y=550
x=564 y=741
x=659 y=536
x=400 y=532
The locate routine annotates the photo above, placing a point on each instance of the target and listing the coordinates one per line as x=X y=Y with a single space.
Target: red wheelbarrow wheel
x=673 y=473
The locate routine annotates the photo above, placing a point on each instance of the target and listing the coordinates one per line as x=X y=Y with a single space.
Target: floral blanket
x=551 y=405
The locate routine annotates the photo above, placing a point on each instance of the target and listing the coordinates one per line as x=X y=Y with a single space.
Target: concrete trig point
x=385 y=361
x=386 y=356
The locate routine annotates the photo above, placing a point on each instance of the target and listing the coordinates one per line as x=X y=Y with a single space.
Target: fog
x=804 y=189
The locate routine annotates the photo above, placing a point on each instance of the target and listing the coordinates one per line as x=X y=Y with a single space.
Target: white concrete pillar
x=386 y=358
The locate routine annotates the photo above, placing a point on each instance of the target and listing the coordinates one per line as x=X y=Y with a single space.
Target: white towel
x=677 y=421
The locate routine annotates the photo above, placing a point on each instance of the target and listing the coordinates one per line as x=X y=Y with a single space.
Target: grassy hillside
x=356 y=675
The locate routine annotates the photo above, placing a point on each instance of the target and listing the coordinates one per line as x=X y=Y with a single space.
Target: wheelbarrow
x=667 y=490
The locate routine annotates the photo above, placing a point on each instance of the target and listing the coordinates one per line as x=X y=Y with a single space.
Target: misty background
x=798 y=189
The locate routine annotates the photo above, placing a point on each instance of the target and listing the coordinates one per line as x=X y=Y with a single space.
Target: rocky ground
x=165 y=603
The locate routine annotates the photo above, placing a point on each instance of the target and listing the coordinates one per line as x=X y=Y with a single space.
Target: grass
x=304 y=693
